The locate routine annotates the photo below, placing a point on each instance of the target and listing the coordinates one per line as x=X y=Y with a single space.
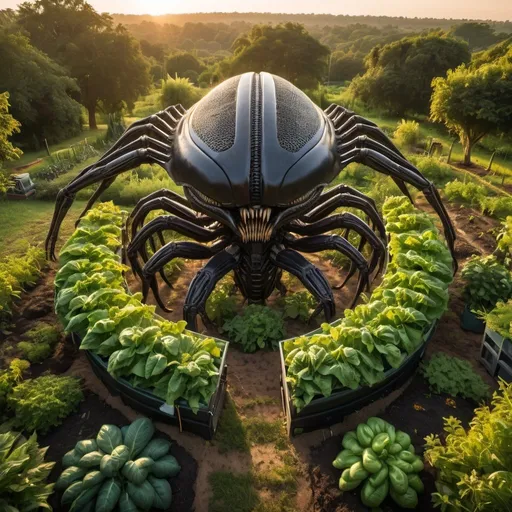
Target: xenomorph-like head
x=255 y=140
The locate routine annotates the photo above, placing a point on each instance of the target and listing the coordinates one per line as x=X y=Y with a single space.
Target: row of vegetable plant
x=16 y=273
x=378 y=335
x=93 y=302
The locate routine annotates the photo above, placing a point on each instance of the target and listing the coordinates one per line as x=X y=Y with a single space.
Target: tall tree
x=287 y=50
x=179 y=63
x=474 y=102
x=105 y=60
x=399 y=75
x=477 y=35
x=40 y=92
x=8 y=126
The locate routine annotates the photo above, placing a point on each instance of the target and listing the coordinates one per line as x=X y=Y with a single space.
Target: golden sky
x=474 y=9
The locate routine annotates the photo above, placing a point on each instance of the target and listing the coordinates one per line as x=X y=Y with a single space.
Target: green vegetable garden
x=266 y=315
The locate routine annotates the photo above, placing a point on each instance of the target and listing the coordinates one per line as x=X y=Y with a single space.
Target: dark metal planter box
x=470 y=322
x=496 y=354
x=325 y=411
x=204 y=423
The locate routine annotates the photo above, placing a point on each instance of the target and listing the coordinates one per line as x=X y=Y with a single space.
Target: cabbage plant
x=123 y=469
x=383 y=460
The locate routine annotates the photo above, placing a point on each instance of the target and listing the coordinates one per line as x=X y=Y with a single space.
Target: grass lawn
x=23 y=222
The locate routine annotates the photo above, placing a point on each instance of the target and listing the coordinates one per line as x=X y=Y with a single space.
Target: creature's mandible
x=254 y=157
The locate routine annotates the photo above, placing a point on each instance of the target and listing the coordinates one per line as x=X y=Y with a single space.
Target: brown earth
x=254 y=376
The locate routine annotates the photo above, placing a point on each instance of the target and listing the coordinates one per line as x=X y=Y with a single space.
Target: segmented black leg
x=333 y=202
x=204 y=283
x=392 y=167
x=168 y=205
x=168 y=223
x=334 y=242
x=310 y=276
x=165 y=255
x=146 y=141
x=116 y=164
x=280 y=287
x=350 y=222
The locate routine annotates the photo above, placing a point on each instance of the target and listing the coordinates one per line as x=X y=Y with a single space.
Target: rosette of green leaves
x=383 y=460
x=256 y=328
x=487 y=283
x=123 y=469
x=193 y=370
x=298 y=305
x=23 y=473
x=499 y=319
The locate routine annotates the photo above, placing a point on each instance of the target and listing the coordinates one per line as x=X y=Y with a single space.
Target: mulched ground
x=403 y=415
x=85 y=424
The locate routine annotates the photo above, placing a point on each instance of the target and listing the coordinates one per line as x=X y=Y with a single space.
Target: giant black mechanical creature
x=254 y=158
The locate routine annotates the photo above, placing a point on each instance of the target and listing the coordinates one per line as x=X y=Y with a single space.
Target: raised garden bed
x=496 y=355
x=325 y=411
x=470 y=322
x=203 y=424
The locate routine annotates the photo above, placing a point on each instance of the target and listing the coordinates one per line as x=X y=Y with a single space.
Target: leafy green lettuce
x=377 y=336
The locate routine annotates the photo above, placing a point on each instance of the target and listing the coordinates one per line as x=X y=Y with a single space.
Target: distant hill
x=415 y=24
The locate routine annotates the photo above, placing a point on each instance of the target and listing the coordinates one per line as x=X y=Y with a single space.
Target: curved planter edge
x=204 y=423
x=325 y=411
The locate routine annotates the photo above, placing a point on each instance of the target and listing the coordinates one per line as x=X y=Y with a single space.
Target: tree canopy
x=181 y=63
x=287 y=50
x=477 y=35
x=474 y=102
x=40 y=92
x=8 y=126
x=399 y=75
x=105 y=60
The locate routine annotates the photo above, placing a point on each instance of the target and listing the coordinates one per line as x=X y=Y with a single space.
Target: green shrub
x=41 y=342
x=298 y=305
x=384 y=459
x=498 y=207
x=23 y=485
x=179 y=90
x=10 y=377
x=44 y=402
x=499 y=319
x=221 y=304
x=407 y=133
x=44 y=333
x=474 y=466
x=147 y=105
x=16 y=272
x=35 y=352
x=257 y=327
x=454 y=376
x=121 y=467
x=487 y=281
x=504 y=240
x=434 y=170
x=465 y=192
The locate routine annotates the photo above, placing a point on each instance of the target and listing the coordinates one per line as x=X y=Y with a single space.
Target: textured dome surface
x=215 y=116
x=297 y=119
